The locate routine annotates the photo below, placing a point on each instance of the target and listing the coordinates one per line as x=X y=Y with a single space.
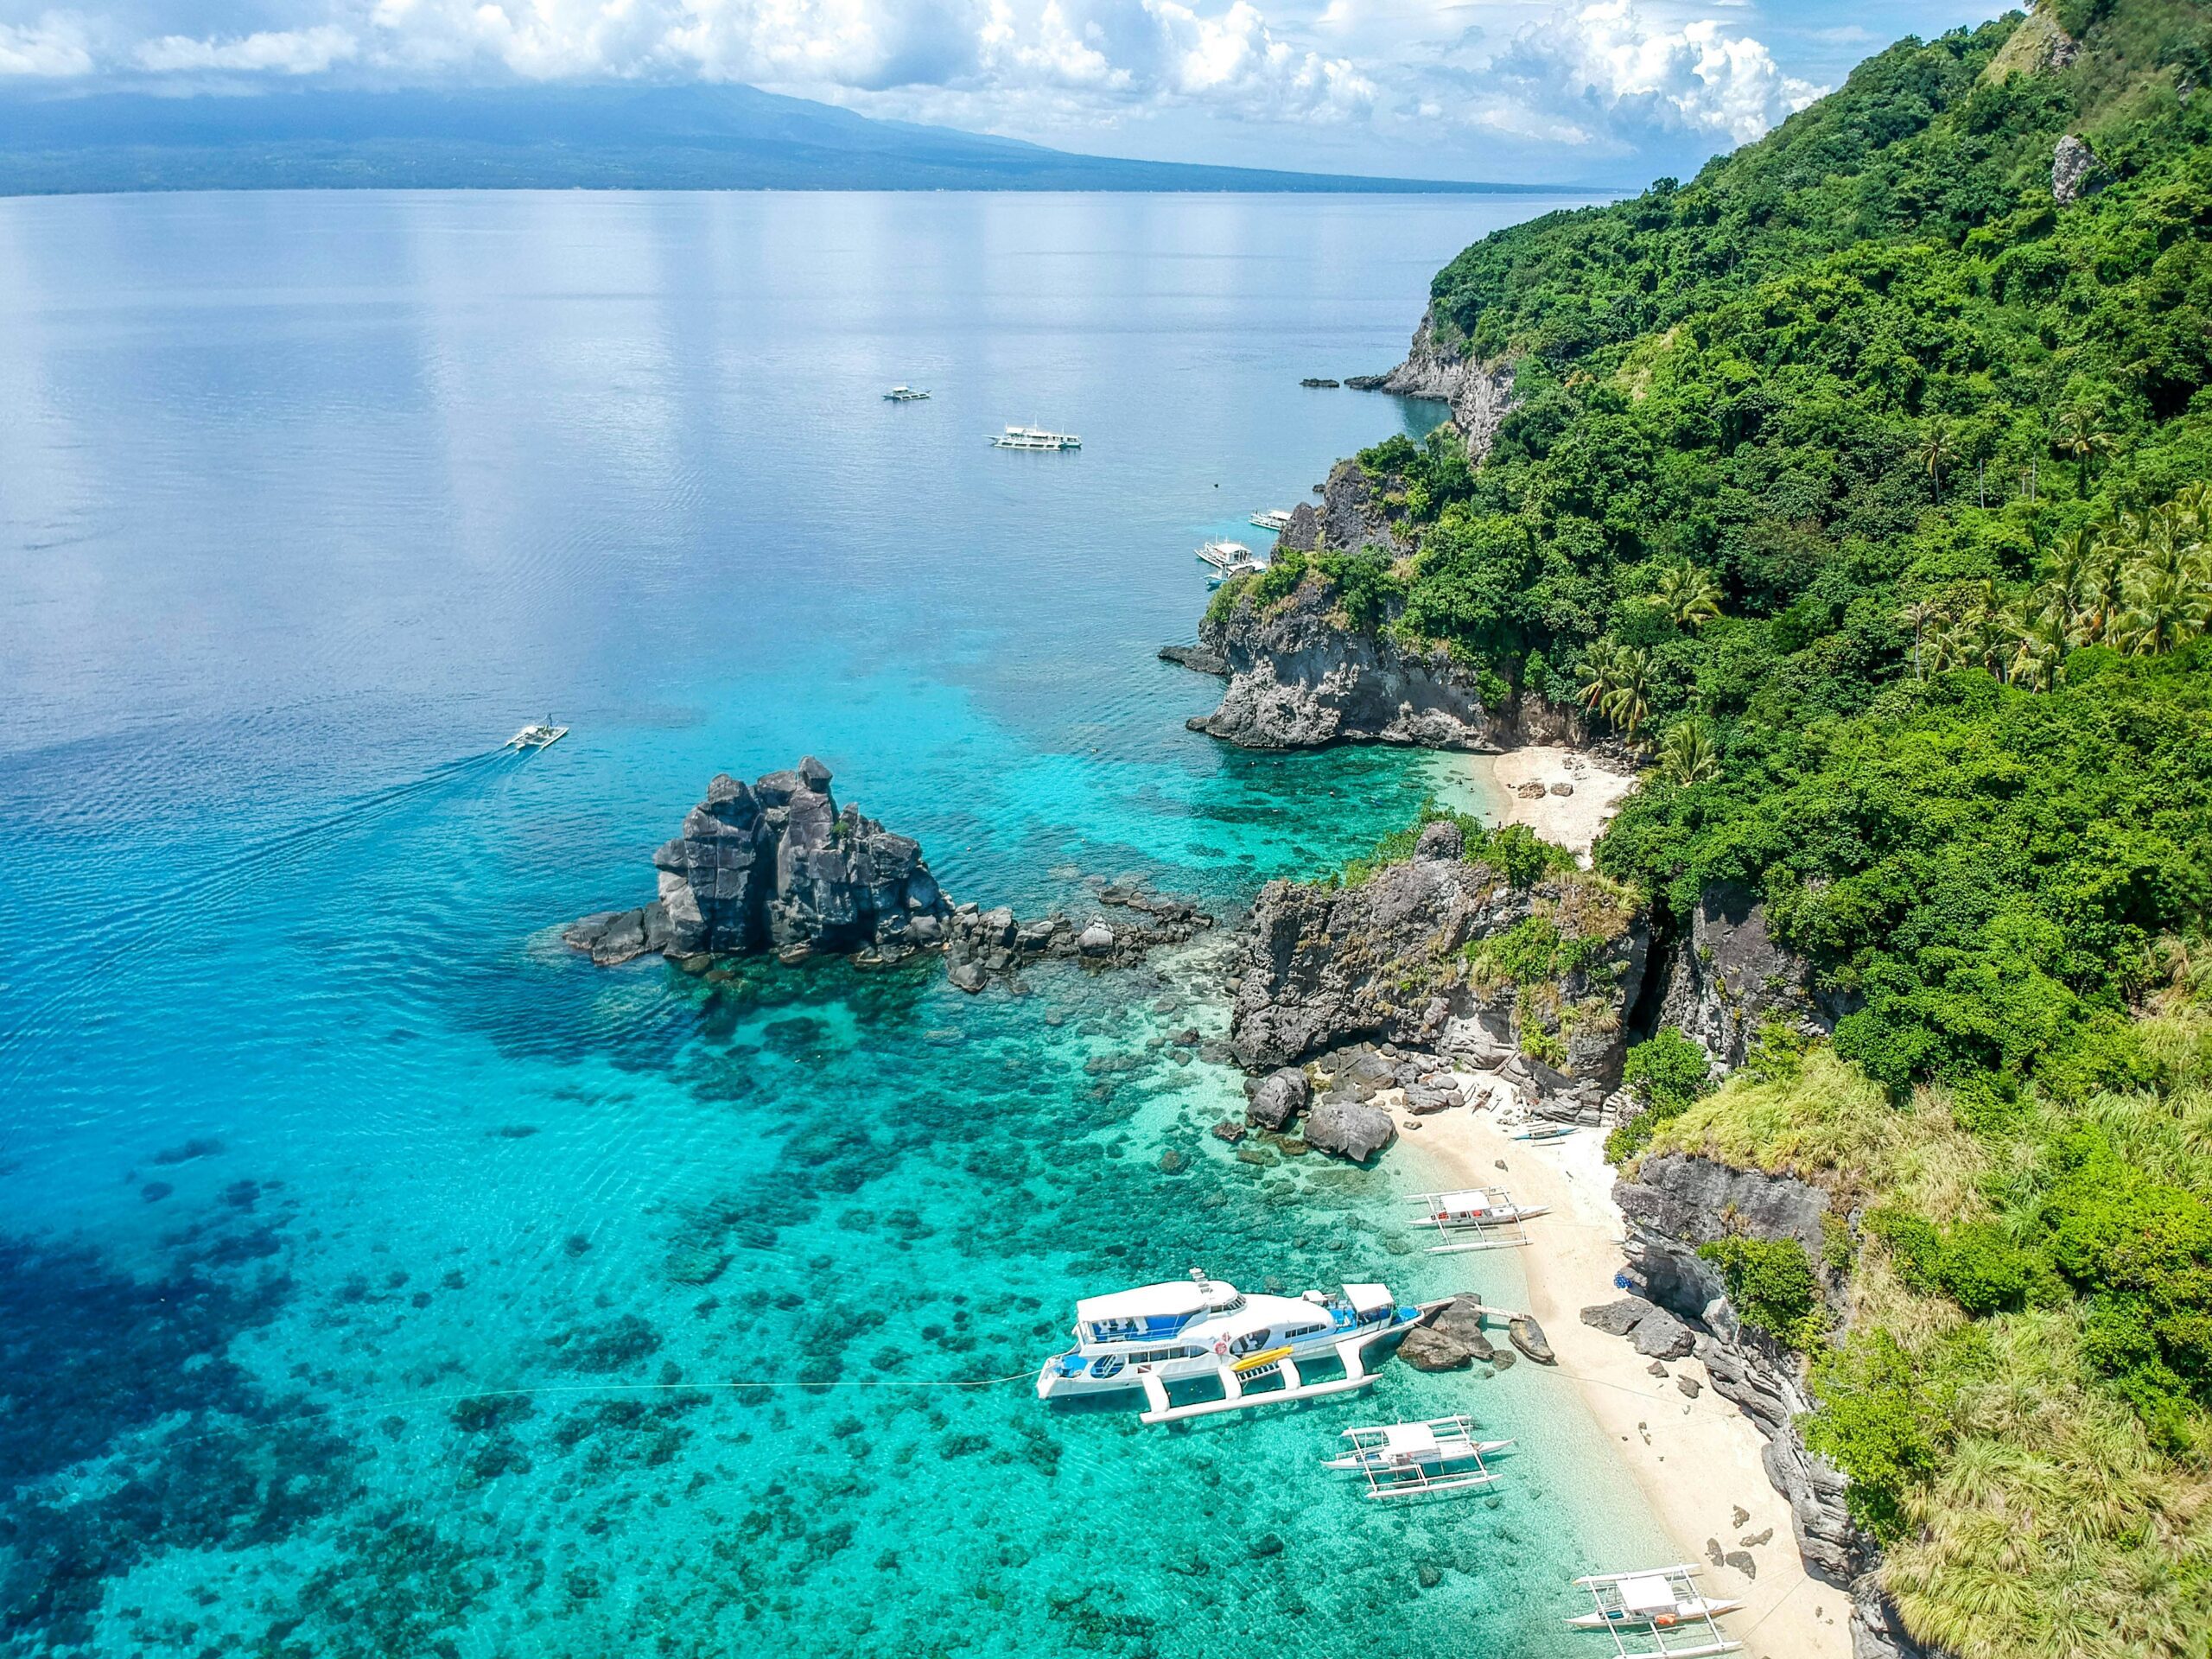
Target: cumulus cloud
x=287 y=51
x=1602 y=72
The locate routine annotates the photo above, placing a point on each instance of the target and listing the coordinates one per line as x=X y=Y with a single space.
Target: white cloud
x=1602 y=72
x=290 y=51
x=54 y=45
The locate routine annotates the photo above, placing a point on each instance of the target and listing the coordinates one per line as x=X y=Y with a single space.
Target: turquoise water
x=381 y=1279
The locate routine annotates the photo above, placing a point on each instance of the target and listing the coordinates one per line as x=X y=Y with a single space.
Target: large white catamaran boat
x=1202 y=1330
x=1035 y=437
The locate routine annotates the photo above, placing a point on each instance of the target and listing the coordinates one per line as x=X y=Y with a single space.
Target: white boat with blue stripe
x=1205 y=1331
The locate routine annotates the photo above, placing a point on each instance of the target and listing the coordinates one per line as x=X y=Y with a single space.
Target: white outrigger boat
x=1475 y=1218
x=1222 y=555
x=536 y=737
x=1657 y=1599
x=1274 y=518
x=905 y=394
x=1035 y=437
x=1543 y=1132
x=1203 y=1330
x=1416 y=1460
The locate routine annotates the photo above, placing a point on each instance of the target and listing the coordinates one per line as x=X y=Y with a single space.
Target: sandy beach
x=1697 y=1460
x=1573 y=821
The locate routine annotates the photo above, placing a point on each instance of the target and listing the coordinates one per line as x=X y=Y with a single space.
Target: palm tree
x=1686 y=755
x=2080 y=432
x=1937 y=451
x=2074 y=561
x=1918 y=616
x=1599 y=679
x=2037 y=654
x=1689 y=596
x=1629 y=706
x=2164 y=608
x=2103 y=593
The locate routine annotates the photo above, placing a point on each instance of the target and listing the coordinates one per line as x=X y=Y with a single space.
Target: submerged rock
x=774 y=865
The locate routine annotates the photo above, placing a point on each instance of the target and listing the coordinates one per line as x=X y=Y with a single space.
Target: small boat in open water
x=1203 y=1330
x=1035 y=437
x=904 y=394
x=1274 y=518
x=536 y=737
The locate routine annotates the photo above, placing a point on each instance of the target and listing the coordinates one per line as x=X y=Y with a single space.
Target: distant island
x=692 y=137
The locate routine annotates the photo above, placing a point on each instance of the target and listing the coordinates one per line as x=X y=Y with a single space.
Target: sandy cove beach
x=1695 y=1460
x=1573 y=821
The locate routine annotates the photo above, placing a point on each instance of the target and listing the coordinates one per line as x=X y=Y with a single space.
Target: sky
x=1598 y=91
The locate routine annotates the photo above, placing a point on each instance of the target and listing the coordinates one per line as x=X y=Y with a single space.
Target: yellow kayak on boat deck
x=1265 y=1357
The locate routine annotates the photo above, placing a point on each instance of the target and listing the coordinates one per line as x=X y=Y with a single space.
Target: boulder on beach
x=1528 y=1337
x=1280 y=1096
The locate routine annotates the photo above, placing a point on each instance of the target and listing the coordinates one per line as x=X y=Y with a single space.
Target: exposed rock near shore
x=775 y=866
x=1324 y=967
x=1199 y=659
x=1728 y=980
x=1675 y=1204
x=983 y=943
x=1437 y=366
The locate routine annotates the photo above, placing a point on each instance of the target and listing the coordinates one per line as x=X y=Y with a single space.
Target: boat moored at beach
x=1035 y=437
x=1475 y=1218
x=1655 y=1600
x=1202 y=1330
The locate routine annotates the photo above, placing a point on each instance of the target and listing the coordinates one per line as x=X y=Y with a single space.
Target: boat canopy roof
x=1410 y=1439
x=1647 y=1594
x=1177 y=1299
x=1472 y=1198
x=1365 y=1299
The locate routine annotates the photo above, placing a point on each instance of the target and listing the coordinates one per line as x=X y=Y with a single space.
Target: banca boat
x=1221 y=555
x=1475 y=1218
x=1658 y=1601
x=1035 y=437
x=536 y=737
x=1274 y=518
x=1416 y=1460
x=1202 y=1330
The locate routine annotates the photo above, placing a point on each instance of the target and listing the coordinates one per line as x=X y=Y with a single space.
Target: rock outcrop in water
x=1390 y=960
x=775 y=865
x=982 y=943
x=1437 y=366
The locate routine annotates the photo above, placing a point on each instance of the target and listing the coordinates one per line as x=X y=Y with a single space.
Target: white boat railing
x=1500 y=1227
x=1627 y=1601
x=1420 y=1460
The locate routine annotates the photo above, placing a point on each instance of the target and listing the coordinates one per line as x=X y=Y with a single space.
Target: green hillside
x=1861 y=481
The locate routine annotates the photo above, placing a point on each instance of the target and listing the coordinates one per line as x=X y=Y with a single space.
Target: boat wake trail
x=128 y=943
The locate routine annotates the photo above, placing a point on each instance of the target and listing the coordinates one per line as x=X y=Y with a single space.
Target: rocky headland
x=1437 y=366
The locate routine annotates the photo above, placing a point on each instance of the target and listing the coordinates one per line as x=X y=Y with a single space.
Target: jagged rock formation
x=2074 y=171
x=1324 y=967
x=1437 y=366
x=982 y=943
x=1728 y=979
x=775 y=865
x=1675 y=1203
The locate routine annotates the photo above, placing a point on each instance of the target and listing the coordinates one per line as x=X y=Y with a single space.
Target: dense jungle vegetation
x=1861 y=484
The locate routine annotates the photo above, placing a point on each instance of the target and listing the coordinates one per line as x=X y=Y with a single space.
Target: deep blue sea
x=378 y=1279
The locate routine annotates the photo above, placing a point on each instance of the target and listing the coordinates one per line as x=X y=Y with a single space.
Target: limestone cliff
x=1437 y=366
x=1541 y=997
x=1728 y=979
x=1672 y=1204
x=774 y=865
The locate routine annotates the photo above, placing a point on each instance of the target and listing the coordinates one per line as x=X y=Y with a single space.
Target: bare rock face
x=774 y=865
x=1729 y=979
x=1278 y=1099
x=982 y=945
x=1350 y=1129
x=1324 y=966
x=2074 y=171
x=1437 y=366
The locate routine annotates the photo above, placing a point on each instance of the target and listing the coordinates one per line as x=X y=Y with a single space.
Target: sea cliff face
x=1729 y=979
x=1443 y=954
x=1436 y=366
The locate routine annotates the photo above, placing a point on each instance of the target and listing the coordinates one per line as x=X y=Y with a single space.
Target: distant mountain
x=687 y=137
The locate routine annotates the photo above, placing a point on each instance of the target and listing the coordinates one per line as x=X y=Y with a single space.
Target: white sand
x=1694 y=1460
x=1573 y=821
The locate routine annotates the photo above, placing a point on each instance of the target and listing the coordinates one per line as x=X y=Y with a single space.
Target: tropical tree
x=1938 y=448
x=1686 y=755
x=1689 y=596
x=2102 y=595
x=2165 y=608
x=1600 y=676
x=2037 y=654
x=1920 y=615
x=2080 y=431
x=1629 y=706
